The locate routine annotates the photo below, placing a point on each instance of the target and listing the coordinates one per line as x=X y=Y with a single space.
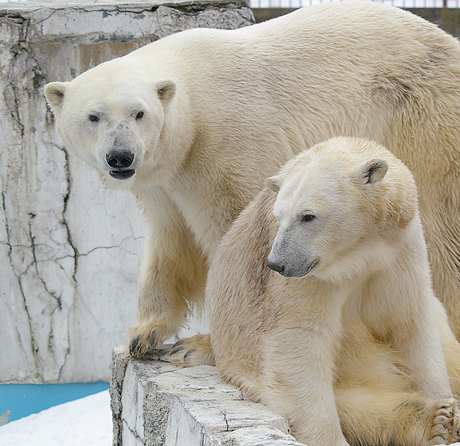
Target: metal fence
x=301 y=3
x=399 y=3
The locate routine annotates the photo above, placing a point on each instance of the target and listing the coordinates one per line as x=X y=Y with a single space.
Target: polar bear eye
x=308 y=217
x=140 y=115
x=93 y=118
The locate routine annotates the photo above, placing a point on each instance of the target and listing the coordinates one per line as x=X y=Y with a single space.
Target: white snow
x=86 y=421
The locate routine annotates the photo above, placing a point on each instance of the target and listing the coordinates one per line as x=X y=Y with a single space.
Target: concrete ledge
x=155 y=403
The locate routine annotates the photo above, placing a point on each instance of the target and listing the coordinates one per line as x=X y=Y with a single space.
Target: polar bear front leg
x=405 y=312
x=171 y=281
x=422 y=349
x=298 y=372
x=418 y=341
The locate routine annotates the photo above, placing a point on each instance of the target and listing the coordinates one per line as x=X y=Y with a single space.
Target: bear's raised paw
x=446 y=423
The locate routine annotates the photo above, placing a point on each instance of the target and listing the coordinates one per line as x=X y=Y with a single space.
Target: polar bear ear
x=166 y=89
x=373 y=171
x=54 y=93
x=274 y=183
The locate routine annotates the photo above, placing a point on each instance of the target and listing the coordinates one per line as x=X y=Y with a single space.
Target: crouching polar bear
x=346 y=338
x=194 y=123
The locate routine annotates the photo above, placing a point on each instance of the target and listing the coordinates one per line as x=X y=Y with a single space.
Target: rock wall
x=69 y=248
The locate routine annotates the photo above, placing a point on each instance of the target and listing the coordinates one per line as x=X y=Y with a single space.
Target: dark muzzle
x=120 y=161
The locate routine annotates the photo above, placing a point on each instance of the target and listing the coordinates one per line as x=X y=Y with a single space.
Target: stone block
x=160 y=404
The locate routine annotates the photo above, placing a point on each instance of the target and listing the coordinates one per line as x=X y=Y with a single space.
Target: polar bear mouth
x=122 y=174
x=311 y=266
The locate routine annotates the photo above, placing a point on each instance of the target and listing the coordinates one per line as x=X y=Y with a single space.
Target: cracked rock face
x=70 y=250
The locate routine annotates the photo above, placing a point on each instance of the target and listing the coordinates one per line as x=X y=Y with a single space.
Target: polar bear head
x=111 y=116
x=342 y=207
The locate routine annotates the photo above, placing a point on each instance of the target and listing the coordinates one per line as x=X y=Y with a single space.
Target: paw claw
x=188 y=355
x=144 y=337
x=134 y=346
x=446 y=423
x=192 y=351
x=153 y=338
x=176 y=350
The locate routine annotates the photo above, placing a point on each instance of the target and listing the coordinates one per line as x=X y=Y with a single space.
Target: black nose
x=118 y=159
x=276 y=267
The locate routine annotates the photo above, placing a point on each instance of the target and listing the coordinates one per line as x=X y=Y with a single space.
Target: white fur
x=304 y=342
x=223 y=110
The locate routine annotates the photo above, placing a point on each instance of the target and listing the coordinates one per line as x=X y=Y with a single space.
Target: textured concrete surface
x=155 y=403
x=69 y=248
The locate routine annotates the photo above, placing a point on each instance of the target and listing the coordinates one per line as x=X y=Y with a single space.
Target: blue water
x=26 y=399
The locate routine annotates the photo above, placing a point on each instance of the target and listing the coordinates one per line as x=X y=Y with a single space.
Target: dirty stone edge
x=139 y=379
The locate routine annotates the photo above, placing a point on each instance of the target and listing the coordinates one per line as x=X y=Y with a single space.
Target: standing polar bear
x=347 y=340
x=194 y=123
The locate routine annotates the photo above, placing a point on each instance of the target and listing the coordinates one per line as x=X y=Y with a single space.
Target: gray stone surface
x=69 y=248
x=155 y=403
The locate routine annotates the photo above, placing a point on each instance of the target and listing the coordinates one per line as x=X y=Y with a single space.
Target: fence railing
x=399 y=3
x=302 y=3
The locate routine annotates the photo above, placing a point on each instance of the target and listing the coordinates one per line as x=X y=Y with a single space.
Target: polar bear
x=194 y=123
x=343 y=335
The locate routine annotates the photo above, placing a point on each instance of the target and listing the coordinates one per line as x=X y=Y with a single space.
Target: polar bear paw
x=144 y=336
x=446 y=423
x=192 y=351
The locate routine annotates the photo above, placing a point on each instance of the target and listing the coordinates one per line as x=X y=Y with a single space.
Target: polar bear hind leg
x=371 y=417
